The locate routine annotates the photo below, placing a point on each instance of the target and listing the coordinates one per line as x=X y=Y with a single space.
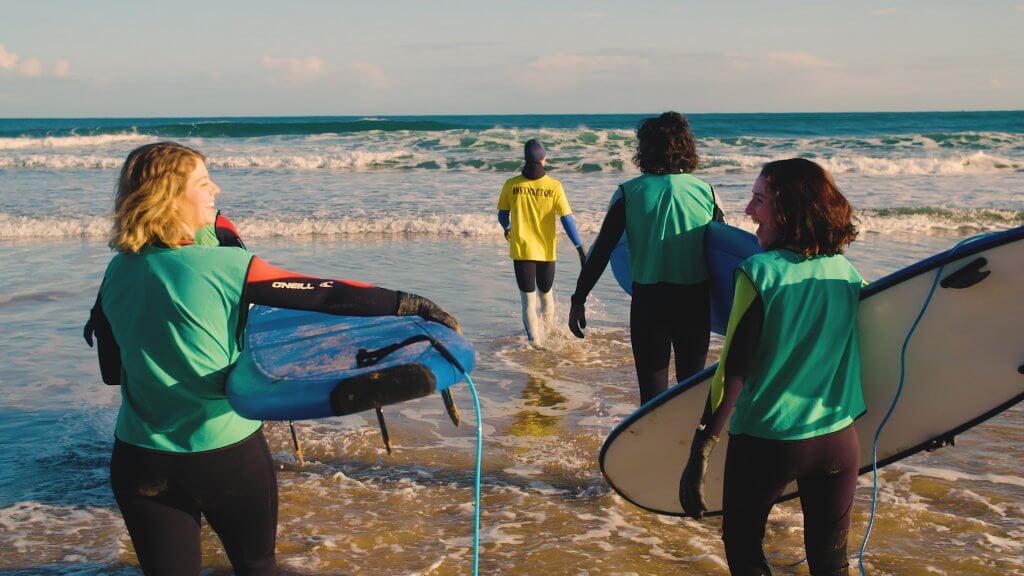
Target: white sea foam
x=569 y=150
x=22 y=143
x=339 y=161
x=28 y=227
x=61 y=162
x=978 y=163
x=954 y=475
x=482 y=226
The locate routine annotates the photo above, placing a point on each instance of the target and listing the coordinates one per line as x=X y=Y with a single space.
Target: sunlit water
x=352 y=509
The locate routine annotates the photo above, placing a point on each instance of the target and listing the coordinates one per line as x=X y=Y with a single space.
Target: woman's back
x=189 y=297
x=665 y=219
x=804 y=379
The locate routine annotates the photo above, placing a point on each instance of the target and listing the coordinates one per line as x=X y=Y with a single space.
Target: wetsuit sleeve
x=272 y=286
x=505 y=219
x=742 y=334
x=570 y=230
x=612 y=228
x=227 y=232
x=107 y=351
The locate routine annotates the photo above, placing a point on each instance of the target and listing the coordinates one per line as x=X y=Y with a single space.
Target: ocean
x=409 y=203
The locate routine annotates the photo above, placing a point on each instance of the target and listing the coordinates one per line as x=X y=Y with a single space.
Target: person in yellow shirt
x=527 y=209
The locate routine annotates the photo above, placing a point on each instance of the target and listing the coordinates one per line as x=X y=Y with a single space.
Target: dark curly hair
x=666 y=145
x=811 y=214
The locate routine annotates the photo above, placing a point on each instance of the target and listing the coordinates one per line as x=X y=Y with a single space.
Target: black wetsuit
x=162 y=494
x=663 y=317
x=534 y=275
x=757 y=470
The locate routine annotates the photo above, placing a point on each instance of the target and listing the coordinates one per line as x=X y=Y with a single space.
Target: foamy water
x=384 y=214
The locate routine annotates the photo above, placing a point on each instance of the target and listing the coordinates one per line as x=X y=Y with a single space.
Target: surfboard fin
x=297 y=445
x=450 y=407
x=384 y=430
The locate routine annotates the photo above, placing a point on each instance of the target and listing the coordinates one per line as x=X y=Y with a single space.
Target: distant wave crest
x=240 y=129
x=406 y=159
x=475 y=225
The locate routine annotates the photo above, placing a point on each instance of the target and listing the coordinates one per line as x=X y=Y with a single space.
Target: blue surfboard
x=298 y=365
x=725 y=247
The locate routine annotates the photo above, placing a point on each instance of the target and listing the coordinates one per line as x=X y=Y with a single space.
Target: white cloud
x=799 y=60
x=294 y=69
x=28 y=66
x=7 y=59
x=31 y=67
x=369 y=74
x=574 y=63
x=563 y=70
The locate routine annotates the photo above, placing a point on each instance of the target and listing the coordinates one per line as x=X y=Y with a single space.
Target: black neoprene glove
x=413 y=305
x=583 y=255
x=691 y=484
x=577 y=316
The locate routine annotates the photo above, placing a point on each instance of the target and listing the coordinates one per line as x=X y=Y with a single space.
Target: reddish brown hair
x=811 y=214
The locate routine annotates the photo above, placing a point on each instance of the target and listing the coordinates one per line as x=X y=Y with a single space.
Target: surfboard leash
x=899 y=392
x=370 y=357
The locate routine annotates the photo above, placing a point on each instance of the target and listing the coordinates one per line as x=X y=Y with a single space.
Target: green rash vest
x=178 y=320
x=804 y=379
x=207 y=236
x=665 y=220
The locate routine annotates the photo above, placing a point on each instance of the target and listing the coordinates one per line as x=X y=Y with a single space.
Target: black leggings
x=756 y=473
x=162 y=494
x=664 y=317
x=534 y=275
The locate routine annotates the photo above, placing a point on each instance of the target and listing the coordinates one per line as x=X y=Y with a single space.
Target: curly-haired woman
x=789 y=374
x=663 y=213
x=169 y=320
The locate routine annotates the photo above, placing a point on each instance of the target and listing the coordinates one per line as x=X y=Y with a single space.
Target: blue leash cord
x=476 y=477
x=371 y=357
x=896 y=399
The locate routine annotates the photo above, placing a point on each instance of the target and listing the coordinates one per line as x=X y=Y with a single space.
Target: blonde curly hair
x=152 y=181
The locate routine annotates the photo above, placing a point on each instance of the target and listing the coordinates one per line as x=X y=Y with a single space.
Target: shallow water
x=352 y=508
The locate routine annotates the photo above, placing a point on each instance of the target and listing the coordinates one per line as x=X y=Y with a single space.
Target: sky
x=224 y=58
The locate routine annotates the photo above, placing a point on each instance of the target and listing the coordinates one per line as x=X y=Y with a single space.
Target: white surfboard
x=965 y=364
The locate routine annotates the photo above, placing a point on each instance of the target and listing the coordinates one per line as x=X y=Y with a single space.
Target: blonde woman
x=168 y=321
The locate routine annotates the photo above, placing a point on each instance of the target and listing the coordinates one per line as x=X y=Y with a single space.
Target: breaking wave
x=476 y=225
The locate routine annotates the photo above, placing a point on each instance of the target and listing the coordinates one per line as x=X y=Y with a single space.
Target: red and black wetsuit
x=162 y=495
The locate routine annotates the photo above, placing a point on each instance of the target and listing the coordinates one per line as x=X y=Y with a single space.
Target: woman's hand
x=691 y=484
x=411 y=304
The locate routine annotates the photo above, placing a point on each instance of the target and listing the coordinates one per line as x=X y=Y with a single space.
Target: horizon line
x=511 y=114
